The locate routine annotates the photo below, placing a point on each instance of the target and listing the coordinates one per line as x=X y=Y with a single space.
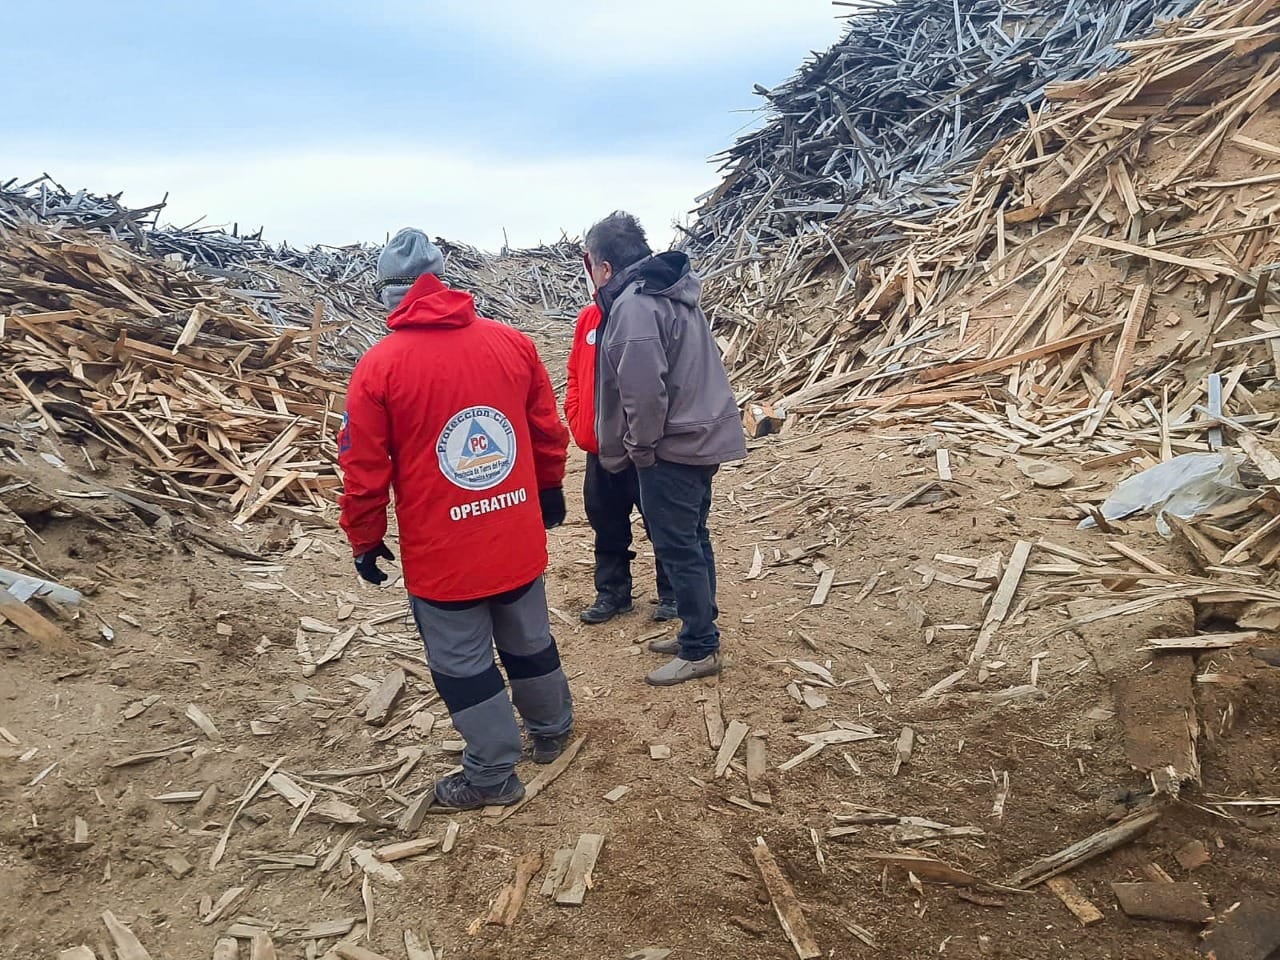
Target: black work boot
x=665 y=610
x=606 y=607
x=456 y=793
x=544 y=750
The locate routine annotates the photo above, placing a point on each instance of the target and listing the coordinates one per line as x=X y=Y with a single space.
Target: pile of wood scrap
x=879 y=133
x=284 y=284
x=1103 y=288
x=136 y=358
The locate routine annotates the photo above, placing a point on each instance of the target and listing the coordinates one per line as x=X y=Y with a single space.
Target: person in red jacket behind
x=609 y=497
x=456 y=413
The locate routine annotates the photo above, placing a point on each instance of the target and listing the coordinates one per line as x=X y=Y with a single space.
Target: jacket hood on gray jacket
x=662 y=275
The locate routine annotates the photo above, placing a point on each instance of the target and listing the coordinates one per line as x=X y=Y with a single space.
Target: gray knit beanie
x=406 y=257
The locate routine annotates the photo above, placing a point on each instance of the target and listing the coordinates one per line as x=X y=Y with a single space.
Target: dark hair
x=618 y=240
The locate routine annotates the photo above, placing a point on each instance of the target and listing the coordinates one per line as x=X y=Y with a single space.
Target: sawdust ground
x=676 y=871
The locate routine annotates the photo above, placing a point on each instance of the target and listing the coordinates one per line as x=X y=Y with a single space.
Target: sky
x=332 y=122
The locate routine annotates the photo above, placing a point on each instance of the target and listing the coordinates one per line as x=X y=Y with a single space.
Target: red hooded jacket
x=580 y=394
x=456 y=413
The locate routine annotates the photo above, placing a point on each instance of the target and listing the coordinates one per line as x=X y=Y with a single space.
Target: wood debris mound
x=181 y=351
x=1103 y=288
x=878 y=134
x=284 y=283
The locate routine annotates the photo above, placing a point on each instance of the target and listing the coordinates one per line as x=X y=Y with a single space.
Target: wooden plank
x=191 y=329
x=1176 y=902
x=1204 y=641
x=1161 y=256
x=221 y=848
x=1204 y=549
x=555 y=873
x=250 y=511
x=261 y=947
x=573 y=888
x=733 y=738
x=382 y=701
x=714 y=718
x=1003 y=598
x=1241 y=549
x=785 y=905
x=943 y=458
x=757 y=764
x=450 y=837
x=538 y=783
x=988 y=571
x=405 y=849
x=416 y=949
x=903 y=748
x=317 y=322
x=1263 y=459
x=927 y=868
x=1265 y=150
x=127 y=945
x=825 y=581
x=976 y=368
x=33 y=624
x=1145 y=562
x=1074 y=900
x=1123 y=359
x=1094 y=845
x=36 y=405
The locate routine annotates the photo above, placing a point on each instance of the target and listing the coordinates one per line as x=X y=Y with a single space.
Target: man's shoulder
x=495 y=331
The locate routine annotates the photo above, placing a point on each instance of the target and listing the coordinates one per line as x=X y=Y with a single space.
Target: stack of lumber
x=283 y=283
x=138 y=358
x=880 y=132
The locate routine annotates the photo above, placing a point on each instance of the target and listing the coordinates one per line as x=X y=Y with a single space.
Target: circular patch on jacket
x=477 y=448
x=591 y=338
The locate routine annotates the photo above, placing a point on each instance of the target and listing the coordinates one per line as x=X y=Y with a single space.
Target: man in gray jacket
x=664 y=404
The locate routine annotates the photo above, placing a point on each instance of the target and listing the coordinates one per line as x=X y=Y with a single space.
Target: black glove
x=367 y=563
x=553 y=510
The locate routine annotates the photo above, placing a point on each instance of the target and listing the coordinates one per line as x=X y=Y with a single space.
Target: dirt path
x=192 y=626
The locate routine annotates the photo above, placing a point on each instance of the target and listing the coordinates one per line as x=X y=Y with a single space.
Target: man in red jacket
x=609 y=497
x=456 y=413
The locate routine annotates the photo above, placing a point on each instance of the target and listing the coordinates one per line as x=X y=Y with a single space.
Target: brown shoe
x=667 y=646
x=680 y=671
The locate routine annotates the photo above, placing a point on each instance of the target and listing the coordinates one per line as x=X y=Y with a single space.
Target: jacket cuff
x=642 y=458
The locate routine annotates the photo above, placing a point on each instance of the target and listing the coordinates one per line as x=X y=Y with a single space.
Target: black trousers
x=610 y=498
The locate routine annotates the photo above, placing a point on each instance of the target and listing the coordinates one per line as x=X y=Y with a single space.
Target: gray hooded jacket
x=661 y=388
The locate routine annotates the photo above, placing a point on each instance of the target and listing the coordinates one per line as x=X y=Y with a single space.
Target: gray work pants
x=459 y=638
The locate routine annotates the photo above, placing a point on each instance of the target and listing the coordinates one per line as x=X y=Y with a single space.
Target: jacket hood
x=663 y=275
x=429 y=303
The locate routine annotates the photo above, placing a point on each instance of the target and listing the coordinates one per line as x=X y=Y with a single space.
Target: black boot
x=606 y=607
x=613 y=587
x=665 y=610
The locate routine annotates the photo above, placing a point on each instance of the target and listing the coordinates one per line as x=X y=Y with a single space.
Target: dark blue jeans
x=675 y=499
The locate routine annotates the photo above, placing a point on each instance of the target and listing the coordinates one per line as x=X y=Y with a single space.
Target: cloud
x=590 y=37
x=337 y=196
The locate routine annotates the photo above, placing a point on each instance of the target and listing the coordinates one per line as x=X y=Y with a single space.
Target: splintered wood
x=572 y=890
x=169 y=370
x=1102 y=289
x=785 y=904
x=510 y=899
